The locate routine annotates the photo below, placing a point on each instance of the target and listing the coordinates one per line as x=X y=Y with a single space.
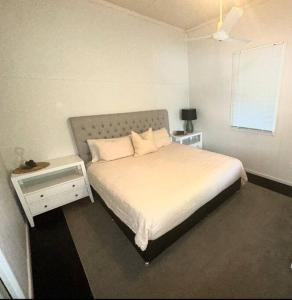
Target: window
x=256 y=87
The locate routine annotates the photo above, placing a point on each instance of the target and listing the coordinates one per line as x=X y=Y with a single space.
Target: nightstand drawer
x=58 y=189
x=43 y=205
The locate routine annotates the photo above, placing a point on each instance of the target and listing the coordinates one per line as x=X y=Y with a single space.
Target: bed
x=157 y=197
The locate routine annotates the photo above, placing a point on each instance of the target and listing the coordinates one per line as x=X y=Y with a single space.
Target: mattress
x=154 y=193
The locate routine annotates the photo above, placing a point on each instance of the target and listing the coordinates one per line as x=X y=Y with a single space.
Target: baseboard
x=29 y=269
x=272 y=184
x=269 y=177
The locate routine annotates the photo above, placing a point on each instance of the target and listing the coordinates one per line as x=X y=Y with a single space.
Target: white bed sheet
x=154 y=193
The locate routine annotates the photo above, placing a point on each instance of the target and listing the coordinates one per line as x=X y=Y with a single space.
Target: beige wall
x=70 y=58
x=12 y=234
x=67 y=58
x=210 y=65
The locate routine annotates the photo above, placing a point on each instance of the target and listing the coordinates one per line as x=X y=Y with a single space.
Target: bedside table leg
x=23 y=202
x=90 y=194
x=31 y=221
x=87 y=183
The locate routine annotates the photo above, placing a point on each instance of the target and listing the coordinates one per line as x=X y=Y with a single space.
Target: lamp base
x=189 y=126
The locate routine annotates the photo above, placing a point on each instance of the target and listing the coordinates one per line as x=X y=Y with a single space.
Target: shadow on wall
x=9 y=183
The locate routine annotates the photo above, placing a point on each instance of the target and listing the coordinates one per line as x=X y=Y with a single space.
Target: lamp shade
x=189 y=114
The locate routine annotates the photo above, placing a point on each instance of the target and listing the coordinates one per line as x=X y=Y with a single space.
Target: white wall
x=13 y=239
x=210 y=66
x=70 y=58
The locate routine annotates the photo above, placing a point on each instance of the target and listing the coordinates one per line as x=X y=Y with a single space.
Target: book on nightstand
x=179 y=132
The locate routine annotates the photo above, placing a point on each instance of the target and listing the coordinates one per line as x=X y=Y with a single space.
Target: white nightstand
x=63 y=181
x=194 y=139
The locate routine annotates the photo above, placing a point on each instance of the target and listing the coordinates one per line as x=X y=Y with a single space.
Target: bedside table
x=63 y=181
x=194 y=139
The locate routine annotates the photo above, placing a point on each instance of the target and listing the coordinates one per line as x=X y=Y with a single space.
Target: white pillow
x=161 y=137
x=143 y=143
x=93 y=150
x=111 y=149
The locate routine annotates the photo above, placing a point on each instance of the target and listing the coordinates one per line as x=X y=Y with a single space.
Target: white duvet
x=154 y=193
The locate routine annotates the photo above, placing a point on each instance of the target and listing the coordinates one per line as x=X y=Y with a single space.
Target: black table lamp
x=188 y=115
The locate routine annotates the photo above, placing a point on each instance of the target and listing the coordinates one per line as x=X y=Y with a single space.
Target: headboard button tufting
x=114 y=125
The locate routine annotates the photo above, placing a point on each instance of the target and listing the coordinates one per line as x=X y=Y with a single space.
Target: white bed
x=154 y=193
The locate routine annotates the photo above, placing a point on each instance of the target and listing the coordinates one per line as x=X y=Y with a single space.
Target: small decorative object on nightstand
x=189 y=115
x=63 y=181
x=194 y=139
x=31 y=166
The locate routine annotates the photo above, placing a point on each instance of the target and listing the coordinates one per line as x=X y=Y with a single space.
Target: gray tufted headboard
x=114 y=125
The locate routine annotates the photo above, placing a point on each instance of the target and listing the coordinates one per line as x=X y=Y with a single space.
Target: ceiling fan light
x=220 y=35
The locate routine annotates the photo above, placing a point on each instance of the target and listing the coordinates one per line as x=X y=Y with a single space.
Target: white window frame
x=266 y=132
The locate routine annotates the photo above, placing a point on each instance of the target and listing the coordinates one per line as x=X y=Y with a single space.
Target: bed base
x=157 y=246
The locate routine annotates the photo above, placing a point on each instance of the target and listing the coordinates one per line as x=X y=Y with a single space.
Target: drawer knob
x=73 y=185
x=46 y=206
x=76 y=195
x=42 y=196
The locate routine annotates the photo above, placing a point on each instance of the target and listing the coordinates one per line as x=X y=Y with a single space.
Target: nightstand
x=194 y=139
x=63 y=181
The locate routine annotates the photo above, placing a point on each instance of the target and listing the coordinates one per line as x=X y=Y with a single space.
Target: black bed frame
x=155 y=247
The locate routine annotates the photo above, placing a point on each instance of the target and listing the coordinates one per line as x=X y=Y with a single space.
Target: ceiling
x=185 y=14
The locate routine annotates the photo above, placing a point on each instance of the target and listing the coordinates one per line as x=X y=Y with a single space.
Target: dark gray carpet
x=242 y=250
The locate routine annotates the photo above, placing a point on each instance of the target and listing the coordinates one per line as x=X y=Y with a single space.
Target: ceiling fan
x=224 y=27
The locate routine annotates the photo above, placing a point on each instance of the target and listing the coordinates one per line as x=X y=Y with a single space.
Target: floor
x=242 y=250
x=56 y=267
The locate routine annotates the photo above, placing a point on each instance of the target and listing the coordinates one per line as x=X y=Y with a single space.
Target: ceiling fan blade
x=204 y=37
x=239 y=40
x=231 y=19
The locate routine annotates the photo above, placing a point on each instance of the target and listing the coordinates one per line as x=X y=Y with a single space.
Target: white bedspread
x=154 y=193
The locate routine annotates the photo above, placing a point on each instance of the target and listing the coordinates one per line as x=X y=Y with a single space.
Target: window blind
x=256 y=86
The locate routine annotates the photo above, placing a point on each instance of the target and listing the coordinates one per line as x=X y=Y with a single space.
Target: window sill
x=254 y=131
